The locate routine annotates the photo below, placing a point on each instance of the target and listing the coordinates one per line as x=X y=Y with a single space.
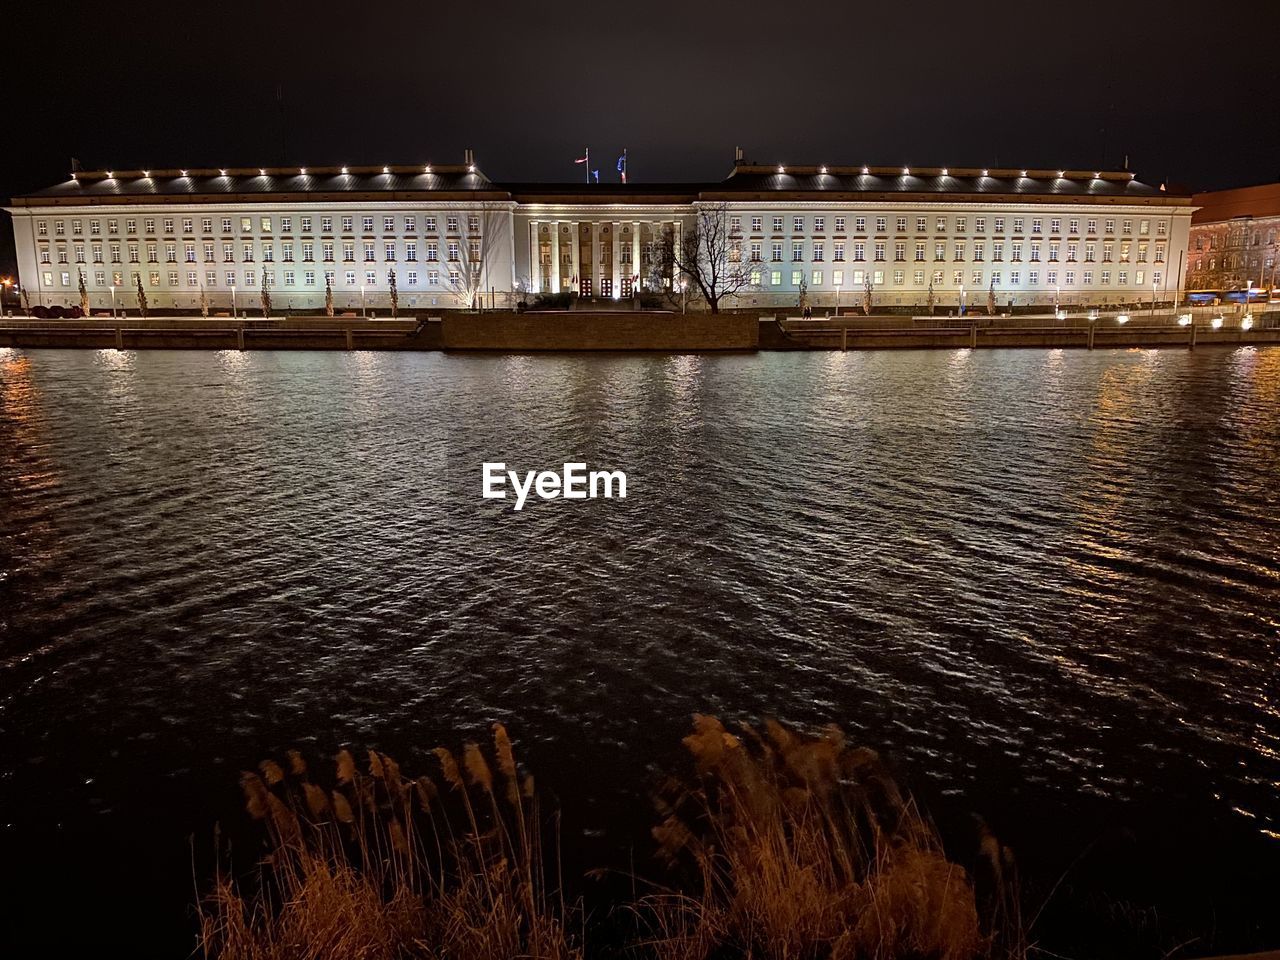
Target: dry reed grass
x=788 y=847
x=373 y=867
x=799 y=847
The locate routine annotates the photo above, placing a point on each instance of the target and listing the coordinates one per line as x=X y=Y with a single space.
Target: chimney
x=75 y=165
x=737 y=156
x=468 y=157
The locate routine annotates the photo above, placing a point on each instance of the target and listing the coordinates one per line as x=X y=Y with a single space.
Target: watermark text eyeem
x=575 y=482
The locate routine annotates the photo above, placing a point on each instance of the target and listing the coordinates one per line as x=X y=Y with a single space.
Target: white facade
x=228 y=250
x=1041 y=248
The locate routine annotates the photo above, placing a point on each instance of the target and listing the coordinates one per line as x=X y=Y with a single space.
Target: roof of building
x=107 y=184
x=763 y=182
x=1222 y=205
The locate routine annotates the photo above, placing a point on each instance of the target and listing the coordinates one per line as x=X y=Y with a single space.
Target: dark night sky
x=1186 y=90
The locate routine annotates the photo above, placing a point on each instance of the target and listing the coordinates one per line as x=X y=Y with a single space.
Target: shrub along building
x=455 y=239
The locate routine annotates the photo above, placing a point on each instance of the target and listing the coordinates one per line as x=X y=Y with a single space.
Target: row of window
x=251 y=251
x=879 y=250
x=1233 y=262
x=265 y=225
x=251 y=278
x=977 y=279
x=1233 y=238
x=412 y=278
x=798 y=225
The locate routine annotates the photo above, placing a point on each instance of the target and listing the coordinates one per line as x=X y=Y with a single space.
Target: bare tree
x=328 y=296
x=204 y=301
x=866 y=296
x=395 y=294
x=84 y=296
x=707 y=258
x=482 y=226
x=521 y=291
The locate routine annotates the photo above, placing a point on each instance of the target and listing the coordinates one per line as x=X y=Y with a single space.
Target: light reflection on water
x=1044 y=580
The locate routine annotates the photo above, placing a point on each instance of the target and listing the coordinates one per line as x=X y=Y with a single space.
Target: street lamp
x=1057 y=301
x=962 y=300
x=233 y=301
x=362 y=309
x=1154 y=285
x=113 y=301
x=838 y=281
x=4 y=290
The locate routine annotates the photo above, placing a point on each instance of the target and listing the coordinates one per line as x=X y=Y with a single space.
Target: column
x=574 y=253
x=616 y=229
x=595 y=259
x=555 y=256
x=535 y=257
x=635 y=256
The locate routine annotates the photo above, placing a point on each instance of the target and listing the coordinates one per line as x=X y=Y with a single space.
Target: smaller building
x=1235 y=236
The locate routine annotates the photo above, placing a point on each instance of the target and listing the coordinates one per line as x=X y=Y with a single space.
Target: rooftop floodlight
x=906 y=171
x=1097 y=175
x=823 y=168
x=427 y=168
x=184 y=173
x=865 y=168
x=1024 y=174
x=1184 y=320
x=147 y=174
x=344 y=170
x=222 y=172
x=110 y=175
x=471 y=168
x=984 y=171
x=1122 y=319
x=1216 y=323
x=386 y=169
x=946 y=172
x=303 y=171
x=262 y=172
x=1060 y=173
x=781 y=168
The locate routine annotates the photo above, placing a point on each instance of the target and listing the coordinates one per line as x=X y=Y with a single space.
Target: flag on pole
x=581 y=160
x=622 y=164
x=586 y=158
x=596 y=174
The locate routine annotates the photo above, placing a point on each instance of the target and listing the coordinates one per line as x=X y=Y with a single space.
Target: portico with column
x=596 y=235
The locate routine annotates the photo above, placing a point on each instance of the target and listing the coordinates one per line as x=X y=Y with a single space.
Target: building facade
x=451 y=238
x=1235 y=240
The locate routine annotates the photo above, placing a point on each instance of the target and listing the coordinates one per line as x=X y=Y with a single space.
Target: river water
x=1046 y=584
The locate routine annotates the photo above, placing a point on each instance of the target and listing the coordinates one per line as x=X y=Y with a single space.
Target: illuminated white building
x=1034 y=237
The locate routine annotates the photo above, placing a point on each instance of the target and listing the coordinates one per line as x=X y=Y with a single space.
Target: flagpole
x=588 y=164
